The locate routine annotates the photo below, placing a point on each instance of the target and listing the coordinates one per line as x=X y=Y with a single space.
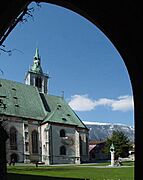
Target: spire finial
x=37 y=57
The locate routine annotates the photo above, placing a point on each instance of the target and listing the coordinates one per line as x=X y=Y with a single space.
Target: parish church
x=41 y=127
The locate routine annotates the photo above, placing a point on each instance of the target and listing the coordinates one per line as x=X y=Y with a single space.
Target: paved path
x=91 y=165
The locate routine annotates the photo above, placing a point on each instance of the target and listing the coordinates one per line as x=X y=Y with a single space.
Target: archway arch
x=123 y=34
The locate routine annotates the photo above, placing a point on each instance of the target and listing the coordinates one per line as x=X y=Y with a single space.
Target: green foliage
x=121 y=143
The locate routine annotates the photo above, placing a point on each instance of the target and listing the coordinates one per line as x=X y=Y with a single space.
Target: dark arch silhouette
x=14 y=156
x=121 y=22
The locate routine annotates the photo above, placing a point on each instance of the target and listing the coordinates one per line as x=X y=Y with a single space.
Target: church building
x=41 y=127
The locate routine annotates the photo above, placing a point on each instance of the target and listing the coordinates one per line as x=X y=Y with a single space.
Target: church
x=41 y=127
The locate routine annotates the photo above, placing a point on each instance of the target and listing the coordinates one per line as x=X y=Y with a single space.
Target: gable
x=59 y=111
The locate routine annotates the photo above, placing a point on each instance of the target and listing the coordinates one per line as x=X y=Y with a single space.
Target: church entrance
x=14 y=156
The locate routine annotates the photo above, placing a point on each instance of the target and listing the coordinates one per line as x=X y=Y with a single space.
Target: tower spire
x=36 y=67
x=35 y=75
x=37 y=57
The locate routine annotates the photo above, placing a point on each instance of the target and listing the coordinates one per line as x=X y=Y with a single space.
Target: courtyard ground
x=100 y=171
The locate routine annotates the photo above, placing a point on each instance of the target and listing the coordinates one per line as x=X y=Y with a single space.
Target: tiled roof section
x=21 y=100
x=25 y=101
x=59 y=111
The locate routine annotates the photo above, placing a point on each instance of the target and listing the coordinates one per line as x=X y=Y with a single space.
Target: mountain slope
x=101 y=131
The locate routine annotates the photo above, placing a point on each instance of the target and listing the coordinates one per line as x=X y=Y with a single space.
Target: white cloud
x=84 y=103
x=81 y=103
x=124 y=103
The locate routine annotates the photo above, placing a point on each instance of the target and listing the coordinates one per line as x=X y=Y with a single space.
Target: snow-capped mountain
x=100 y=131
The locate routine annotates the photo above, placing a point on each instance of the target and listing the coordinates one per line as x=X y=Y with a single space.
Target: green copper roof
x=25 y=101
x=60 y=112
x=21 y=100
x=37 y=54
x=36 y=67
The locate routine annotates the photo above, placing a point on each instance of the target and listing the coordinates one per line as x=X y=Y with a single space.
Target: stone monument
x=112 y=151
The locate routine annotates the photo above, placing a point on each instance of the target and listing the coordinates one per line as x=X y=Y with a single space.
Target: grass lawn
x=83 y=172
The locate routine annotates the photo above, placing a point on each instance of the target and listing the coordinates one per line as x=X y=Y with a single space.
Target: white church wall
x=68 y=142
x=45 y=143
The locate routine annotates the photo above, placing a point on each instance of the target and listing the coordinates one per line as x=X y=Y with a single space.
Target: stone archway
x=121 y=22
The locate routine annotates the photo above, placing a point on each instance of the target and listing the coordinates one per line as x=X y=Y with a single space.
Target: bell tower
x=35 y=76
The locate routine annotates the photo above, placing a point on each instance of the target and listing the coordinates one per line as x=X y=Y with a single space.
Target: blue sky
x=80 y=60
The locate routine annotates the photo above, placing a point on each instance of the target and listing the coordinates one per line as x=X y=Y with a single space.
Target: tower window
x=38 y=82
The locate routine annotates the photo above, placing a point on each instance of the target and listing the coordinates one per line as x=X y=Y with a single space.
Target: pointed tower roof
x=37 y=54
x=36 y=67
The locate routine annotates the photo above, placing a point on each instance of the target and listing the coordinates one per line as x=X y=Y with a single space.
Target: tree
x=121 y=143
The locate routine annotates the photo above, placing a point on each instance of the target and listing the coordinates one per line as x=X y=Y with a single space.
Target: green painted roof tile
x=25 y=101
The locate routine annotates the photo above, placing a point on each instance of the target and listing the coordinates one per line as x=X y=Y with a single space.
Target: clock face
x=67 y=141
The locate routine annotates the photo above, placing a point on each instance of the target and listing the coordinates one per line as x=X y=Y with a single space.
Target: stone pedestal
x=112 y=159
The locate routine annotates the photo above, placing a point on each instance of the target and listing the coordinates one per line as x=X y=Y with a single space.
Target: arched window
x=34 y=142
x=62 y=150
x=62 y=133
x=13 y=138
x=38 y=82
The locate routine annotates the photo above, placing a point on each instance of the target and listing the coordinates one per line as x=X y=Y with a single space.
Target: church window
x=13 y=138
x=81 y=142
x=38 y=82
x=26 y=127
x=26 y=136
x=35 y=142
x=26 y=146
x=62 y=133
x=62 y=150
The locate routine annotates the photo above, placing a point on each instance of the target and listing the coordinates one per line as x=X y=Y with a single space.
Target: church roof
x=59 y=111
x=25 y=101
x=21 y=100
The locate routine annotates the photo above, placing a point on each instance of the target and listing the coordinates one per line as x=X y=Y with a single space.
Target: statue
x=112 y=155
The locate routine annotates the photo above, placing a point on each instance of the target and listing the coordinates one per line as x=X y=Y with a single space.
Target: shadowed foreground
x=12 y=176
